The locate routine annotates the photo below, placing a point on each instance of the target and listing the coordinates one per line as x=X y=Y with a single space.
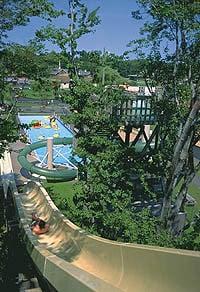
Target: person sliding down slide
x=38 y=226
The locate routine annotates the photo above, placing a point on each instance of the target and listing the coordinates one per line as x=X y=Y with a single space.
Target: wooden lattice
x=135 y=111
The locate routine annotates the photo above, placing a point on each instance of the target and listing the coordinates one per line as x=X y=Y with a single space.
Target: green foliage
x=43 y=93
x=169 y=47
x=112 y=219
x=112 y=76
x=62 y=193
x=90 y=61
x=32 y=66
x=82 y=22
x=41 y=89
x=51 y=60
x=15 y=13
x=190 y=238
x=9 y=129
x=124 y=66
x=116 y=68
x=3 y=256
x=165 y=15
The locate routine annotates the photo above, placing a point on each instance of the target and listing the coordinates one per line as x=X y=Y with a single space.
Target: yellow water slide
x=73 y=260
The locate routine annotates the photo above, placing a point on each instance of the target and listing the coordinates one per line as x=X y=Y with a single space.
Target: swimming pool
x=61 y=154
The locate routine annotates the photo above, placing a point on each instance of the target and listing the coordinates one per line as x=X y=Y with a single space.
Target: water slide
x=99 y=264
x=65 y=174
x=73 y=260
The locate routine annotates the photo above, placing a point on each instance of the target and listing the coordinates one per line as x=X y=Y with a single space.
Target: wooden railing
x=136 y=111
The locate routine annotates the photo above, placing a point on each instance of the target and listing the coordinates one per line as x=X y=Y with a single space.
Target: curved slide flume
x=72 y=260
x=59 y=175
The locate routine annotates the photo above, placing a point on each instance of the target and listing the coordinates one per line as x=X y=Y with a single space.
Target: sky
x=113 y=34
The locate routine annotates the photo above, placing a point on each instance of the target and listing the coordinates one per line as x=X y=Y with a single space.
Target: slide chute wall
x=72 y=259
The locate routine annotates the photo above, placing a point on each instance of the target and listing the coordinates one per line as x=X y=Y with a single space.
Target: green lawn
x=61 y=192
x=30 y=104
x=194 y=191
x=38 y=94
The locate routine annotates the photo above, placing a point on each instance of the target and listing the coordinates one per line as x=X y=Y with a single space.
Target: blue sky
x=116 y=29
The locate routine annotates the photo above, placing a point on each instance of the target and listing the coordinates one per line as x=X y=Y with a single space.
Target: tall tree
x=81 y=22
x=171 y=38
x=104 y=172
x=15 y=13
x=90 y=61
x=33 y=66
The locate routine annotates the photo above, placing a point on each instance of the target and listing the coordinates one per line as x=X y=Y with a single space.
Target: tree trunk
x=176 y=62
x=179 y=157
x=184 y=188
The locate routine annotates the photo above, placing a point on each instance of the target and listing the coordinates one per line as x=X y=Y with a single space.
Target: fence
x=41 y=106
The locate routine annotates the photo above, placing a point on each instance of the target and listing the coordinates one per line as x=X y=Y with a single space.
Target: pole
x=50 y=152
x=72 y=41
x=103 y=71
x=147 y=132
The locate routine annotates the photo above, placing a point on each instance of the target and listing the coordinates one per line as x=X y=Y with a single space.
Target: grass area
x=194 y=191
x=26 y=104
x=31 y=104
x=136 y=82
x=7 y=93
x=61 y=192
x=38 y=94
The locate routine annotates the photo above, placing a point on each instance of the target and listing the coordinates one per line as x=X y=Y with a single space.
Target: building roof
x=62 y=78
x=17 y=80
x=57 y=71
x=63 y=74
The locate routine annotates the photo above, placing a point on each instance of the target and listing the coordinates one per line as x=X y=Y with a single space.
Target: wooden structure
x=136 y=114
x=136 y=111
x=141 y=131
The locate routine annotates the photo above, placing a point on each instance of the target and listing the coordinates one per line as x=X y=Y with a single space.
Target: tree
x=32 y=66
x=111 y=76
x=104 y=175
x=51 y=60
x=114 y=68
x=15 y=13
x=175 y=22
x=90 y=61
x=104 y=201
x=81 y=22
x=123 y=65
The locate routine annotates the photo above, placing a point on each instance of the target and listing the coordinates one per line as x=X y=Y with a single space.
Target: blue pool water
x=61 y=154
